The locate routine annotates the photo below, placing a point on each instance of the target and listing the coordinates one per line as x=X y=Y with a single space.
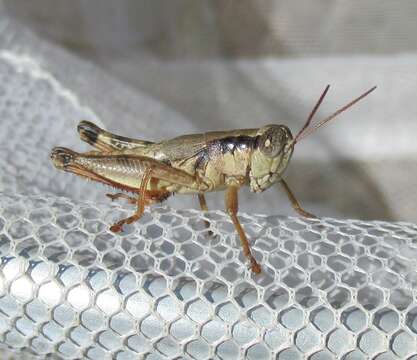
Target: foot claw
x=255 y=267
x=111 y=196
x=310 y=216
x=306 y=214
x=116 y=228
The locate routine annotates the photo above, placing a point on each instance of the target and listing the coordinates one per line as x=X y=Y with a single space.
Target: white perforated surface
x=165 y=288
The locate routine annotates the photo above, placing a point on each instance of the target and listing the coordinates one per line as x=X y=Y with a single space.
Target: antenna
x=313 y=112
x=306 y=131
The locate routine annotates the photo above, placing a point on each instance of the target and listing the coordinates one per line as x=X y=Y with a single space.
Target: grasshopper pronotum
x=197 y=163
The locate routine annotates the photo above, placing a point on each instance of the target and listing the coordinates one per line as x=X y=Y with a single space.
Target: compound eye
x=272 y=142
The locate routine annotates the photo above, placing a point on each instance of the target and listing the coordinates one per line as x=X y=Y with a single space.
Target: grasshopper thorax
x=270 y=157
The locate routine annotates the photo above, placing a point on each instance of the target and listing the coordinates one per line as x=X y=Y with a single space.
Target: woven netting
x=168 y=287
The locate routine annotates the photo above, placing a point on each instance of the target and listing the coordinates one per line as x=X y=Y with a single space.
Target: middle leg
x=232 y=206
x=204 y=207
x=202 y=201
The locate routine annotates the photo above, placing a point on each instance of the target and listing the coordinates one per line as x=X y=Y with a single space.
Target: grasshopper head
x=271 y=155
x=275 y=144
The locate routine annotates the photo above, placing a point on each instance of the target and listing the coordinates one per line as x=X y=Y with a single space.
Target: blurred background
x=217 y=65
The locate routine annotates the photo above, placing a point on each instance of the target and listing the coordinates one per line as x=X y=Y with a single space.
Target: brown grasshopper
x=197 y=163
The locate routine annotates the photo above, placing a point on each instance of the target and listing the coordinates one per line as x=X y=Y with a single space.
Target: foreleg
x=294 y=202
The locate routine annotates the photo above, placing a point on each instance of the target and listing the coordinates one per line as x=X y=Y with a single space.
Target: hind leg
x=141 y=202
x=155 y=170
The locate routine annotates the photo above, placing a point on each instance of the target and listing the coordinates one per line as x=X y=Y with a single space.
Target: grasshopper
x=191 y=164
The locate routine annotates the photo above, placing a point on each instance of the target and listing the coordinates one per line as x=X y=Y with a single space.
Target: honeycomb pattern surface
x=168 y=287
